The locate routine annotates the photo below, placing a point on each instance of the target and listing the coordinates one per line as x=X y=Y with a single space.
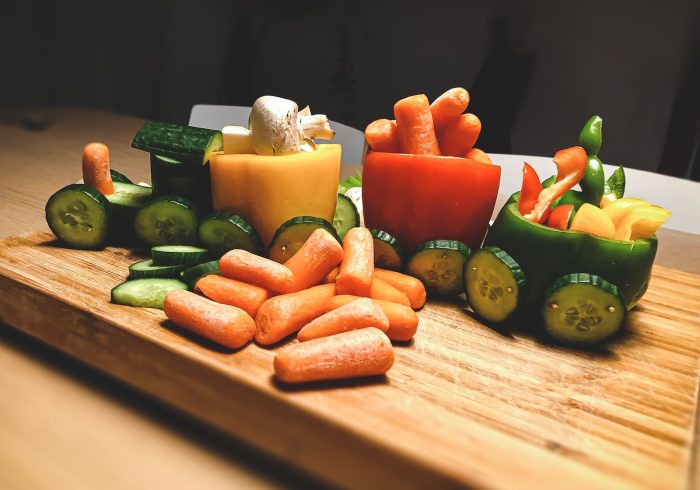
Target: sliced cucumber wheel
x=178 y=254
x=148 y=293
x=439 y=264
x=582 y=309
x=193 y=274
x=387 y=251
x=78 y=215
x=494 y=284
x=129 y=196
x=146 y=268
x=167 y=220
x=221 y=232
x=116 y=177
x=292 y=234
x=346 y=216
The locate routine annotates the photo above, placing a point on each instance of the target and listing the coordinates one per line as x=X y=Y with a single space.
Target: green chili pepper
x=591 y=136
x=616 y=183
x=593 y=182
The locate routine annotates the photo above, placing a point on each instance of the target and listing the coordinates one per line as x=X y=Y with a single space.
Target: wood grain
x=462 y=404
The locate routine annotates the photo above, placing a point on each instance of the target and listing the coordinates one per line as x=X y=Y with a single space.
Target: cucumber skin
x=356 y=221
x=184 y=258
x=390 y=241
x=234 y=220
x=177 y=200
x=183 y=143
x=300 y=220
x=191 y=275
x=97 y=196
x=159 y=272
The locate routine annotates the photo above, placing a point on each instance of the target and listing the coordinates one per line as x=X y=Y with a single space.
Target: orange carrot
x=227 y=291
x=412 y=287
x=415 y=126
x=247 y=267
x=96 y=167
x=283 y=315
x=478 y=156
x=332 y=275
x=319 y=255
x=355 y=275
x=226 y=325
x=364 y=352
x=403 y=321
x=382 y=135
x=449 y=106
x=361 y=313
x=459 y=136
x=383 y=290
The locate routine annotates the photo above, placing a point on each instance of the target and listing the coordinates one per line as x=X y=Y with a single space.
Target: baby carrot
x=226 y=325
x=355 y=275
x=361 y=313
x=227 y=291
x=383 y=290
x=449 y=106
x=403 y=321
x=415 y=126
x=96 y=167
x=478 y=156
x=247 y=267
x=459 y=135
x=283 y=315
x=319 y=255
x=332 y=275
x=382 y=135
x=412 y=287
x=364 y=352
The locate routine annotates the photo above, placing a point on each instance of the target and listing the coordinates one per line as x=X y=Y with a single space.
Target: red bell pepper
x=530 y=190
x=560 y=216
x=425 y=197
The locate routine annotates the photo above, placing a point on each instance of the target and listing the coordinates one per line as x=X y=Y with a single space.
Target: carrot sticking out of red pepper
x=96 y=167
x=414 y=122
x=361 y=313
x=530 y=190
x=571 y=167
x=383 y=135
x=364 y=352
x=449 y=106
x=227 y=291
x=478 y=156
x=458 y=136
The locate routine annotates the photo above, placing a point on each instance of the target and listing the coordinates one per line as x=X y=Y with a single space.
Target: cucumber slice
x=181 y=143
x=221 y=232
x=177 y=255
x=494 y=284
x=116 y=177
x=78 y=215
x=387 y=251
x=146 y=268
x=346 y=216
x=292 y=234
x=170 y=176
x=582 y=309
x=167 y=220
x=129 y=196
x=439 y=264
x=193 y=274
x=148 y=293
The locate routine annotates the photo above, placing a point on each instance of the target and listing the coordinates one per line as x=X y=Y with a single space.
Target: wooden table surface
x=64 y=425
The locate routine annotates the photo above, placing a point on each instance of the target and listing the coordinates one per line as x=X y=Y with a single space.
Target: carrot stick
x=96 y=167
x=332 y=275
x=364 y=352
x=226 y=325
x=383 y=290
x=478 y=156
x=315 y=259
x=382 y=135
x=227 y=291
x=361 y=313
x=415 y=126
x=355 y=275
x=403 y=321
x=283 y=315
x=459 y=136
x=412 y=287
x=449 y=106
x=244 y=266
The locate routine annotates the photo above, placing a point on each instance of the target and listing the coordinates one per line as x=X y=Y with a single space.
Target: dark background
x=535 y=70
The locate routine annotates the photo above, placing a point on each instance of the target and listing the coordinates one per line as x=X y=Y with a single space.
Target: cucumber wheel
x=194 y=274
x=439 y=264
x=148 y=293
x=582 y=309
x=346 y=216
x=146 y=268
x=167 y=220
x=221 y=232
x=177 y=255
x=292 y=234
x=78 y=215
x=494 y=284
x=387 y=251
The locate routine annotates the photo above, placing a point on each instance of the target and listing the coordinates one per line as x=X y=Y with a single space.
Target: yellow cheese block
x=268 y=190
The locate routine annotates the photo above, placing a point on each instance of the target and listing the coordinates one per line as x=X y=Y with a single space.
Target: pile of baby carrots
x=422 y=128
x=345 y=311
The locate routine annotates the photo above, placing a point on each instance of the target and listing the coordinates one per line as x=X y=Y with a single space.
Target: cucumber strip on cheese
x=181 y=143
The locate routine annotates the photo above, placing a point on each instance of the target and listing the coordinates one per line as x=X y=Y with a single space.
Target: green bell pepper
x=545 y=254
x=591 y=139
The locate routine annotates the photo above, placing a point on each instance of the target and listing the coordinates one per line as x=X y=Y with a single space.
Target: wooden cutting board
x=463 y=404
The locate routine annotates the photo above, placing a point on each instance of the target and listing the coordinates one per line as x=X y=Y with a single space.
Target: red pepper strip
x=559 y=218
x=530 y=190
x=571 y=167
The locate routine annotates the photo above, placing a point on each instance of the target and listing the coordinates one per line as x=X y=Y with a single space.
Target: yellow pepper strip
x=641 y=222
x=621 y=208
x=591 y=219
